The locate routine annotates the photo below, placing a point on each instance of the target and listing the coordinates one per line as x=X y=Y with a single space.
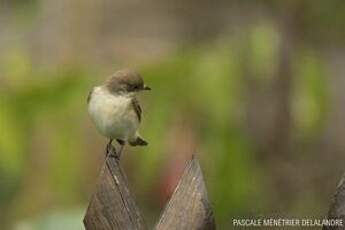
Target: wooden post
x=337 y=208
x=188 y=207
x=113 y=208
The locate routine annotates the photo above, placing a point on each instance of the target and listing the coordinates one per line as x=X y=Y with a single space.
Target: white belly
x=113 y=115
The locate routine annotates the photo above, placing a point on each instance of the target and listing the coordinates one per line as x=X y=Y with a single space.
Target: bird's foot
x=115 y=156
x=110 y=150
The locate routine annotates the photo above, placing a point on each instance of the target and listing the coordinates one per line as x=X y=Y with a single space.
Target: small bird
x=116 y=111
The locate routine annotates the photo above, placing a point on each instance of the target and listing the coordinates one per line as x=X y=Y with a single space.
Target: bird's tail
x=138 y=140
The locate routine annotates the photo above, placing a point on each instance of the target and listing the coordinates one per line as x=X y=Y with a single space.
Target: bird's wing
x=89 y=96
x=137 y=108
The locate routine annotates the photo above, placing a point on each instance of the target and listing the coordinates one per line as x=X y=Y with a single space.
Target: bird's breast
x=113 y=115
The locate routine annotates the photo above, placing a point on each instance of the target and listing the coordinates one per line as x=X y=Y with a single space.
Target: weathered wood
x=112 y=206
x=337 y=208
x=188 y=208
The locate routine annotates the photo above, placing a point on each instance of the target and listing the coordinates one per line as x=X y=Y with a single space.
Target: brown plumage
x=125 y=81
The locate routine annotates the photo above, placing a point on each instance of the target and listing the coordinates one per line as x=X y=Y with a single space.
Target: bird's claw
x=110 y=150
x=115 y=156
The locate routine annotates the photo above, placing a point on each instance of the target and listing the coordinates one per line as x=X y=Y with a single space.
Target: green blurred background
x=256 y=88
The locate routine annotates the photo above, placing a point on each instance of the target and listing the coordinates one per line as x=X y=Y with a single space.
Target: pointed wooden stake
x=188 y=208
x=337 y=208
x=112 y=206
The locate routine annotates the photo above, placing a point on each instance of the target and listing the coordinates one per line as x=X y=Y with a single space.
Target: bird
x=116 y=111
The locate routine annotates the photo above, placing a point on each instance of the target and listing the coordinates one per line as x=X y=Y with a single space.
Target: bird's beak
x=147 y=87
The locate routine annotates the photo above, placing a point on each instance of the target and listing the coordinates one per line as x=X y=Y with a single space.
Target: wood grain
x=337 y=207
x=112 y=207
x=188 y=208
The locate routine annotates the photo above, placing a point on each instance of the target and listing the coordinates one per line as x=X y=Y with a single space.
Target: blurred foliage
x=29 y=102
x=56 y=220
x=206 y=80
x=310 y=96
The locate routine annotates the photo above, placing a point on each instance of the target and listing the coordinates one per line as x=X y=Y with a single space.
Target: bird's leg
x=110 y=148
x=122 y=144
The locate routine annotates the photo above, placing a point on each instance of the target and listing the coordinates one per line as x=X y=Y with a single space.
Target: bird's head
x=126 y=82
